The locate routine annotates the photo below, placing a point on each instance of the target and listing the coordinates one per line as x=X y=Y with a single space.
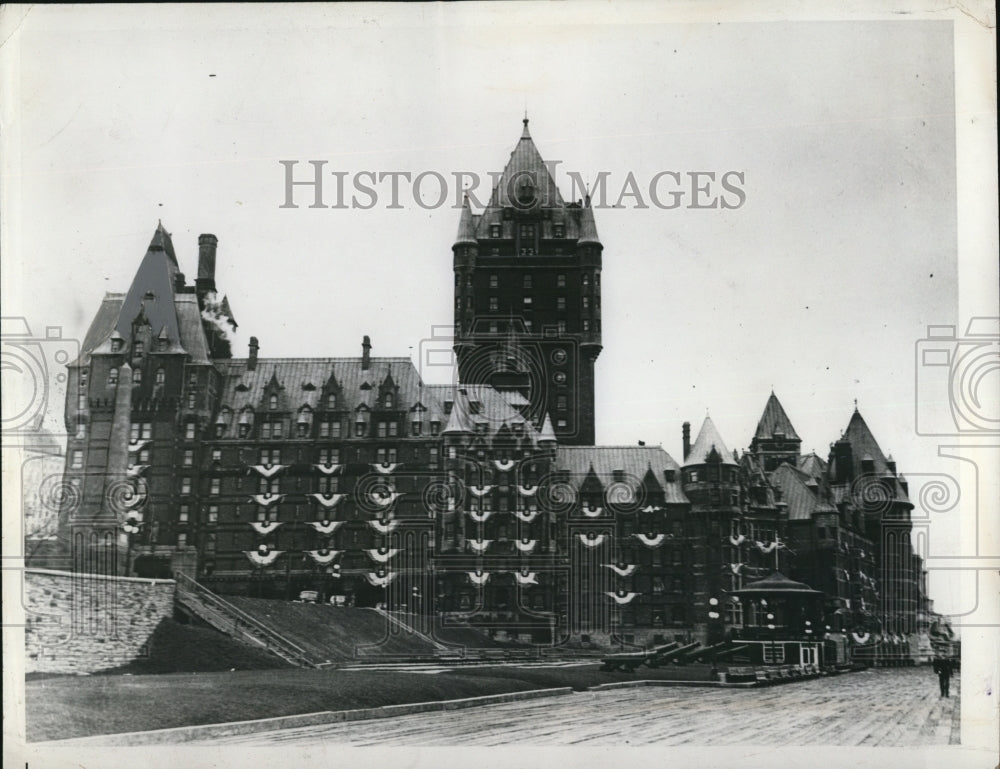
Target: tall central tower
x=528 y=295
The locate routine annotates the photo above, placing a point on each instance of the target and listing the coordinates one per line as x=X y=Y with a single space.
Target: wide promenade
x=894 y=707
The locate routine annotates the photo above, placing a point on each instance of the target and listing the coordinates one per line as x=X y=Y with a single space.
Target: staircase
x=201 y=602
x=409 y=629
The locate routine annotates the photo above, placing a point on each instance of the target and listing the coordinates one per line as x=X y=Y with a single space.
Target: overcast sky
x=819 y=286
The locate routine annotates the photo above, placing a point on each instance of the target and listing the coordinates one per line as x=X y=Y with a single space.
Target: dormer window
x=448 y=405
x=494 y=230
x=116 y=345
x=272 y=403
x=388 y=401
x=113 y=377
x=331 y=401
x=435 y=427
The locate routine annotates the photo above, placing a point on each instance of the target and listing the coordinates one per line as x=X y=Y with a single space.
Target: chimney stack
x=206 y=264
x=252 y=361
x=686 y=437
x=366 y=353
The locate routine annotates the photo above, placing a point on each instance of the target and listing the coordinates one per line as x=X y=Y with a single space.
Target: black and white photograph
x=500 y=384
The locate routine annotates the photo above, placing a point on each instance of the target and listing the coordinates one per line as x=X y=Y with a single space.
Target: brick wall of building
x=82 y=623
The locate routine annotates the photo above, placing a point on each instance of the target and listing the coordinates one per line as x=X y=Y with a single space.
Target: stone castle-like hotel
x=485 y=502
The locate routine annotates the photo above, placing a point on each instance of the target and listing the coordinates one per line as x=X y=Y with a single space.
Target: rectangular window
x=415 y=428
x=586 y=325
x=216 y=486
x=561 y=326
x=183 y=514
x=435 y=427
x=144 y=457
x=188 y=457
x=335 y=430
x=186 y=485
x=77 y=459
x=452 y=452
x=189 y=429
x=527 y=281
x=494 y=304
x=494 y=280
x=182 y=539
x=774 y=653
x=586 y=302
x=276 y=429
x=560 y=302
x=213 y=513
x=558 y=231
x=324 y=429
x=561 y=280
x=216 y=455
x=329 y=484
x=393 y=429
x=561 y=402
x=191 y=400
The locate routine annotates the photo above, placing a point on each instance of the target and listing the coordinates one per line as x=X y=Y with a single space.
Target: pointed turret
x=588 y=227
x=526 y=181
x=466 y=226
x=707 y=445
x=546 y=436
x=775 y=440
x=458 y=421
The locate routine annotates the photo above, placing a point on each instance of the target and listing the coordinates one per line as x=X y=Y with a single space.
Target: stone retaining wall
x=82 y=623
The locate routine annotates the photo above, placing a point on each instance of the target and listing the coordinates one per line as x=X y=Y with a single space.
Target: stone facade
x=83 y=623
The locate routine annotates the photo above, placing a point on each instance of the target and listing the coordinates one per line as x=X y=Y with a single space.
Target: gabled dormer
x=331 y=395
x=273 y=398
x=388 y=394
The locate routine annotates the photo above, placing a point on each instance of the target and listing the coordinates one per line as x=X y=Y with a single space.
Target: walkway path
x=885 y=707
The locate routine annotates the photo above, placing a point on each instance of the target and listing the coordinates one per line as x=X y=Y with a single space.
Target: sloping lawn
x=69 y=706
x=176 y=648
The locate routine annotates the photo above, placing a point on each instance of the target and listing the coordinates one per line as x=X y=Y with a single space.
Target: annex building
x=484 y=502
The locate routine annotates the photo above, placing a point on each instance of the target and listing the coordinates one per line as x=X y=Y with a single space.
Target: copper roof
x=634 y=462
x=708 y=439
x=775 y=422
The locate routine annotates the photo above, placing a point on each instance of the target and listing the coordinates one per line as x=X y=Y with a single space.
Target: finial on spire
x=525 y=134
x=855 y=404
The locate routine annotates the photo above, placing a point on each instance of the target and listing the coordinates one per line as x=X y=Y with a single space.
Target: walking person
x=943 y=668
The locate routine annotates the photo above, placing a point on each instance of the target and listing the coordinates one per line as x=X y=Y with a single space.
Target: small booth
x=782 y=623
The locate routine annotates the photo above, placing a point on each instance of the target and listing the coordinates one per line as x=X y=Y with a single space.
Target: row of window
x=160 y=378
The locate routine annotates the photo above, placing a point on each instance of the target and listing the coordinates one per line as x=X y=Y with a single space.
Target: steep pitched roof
x=526 y=165
x=812 y=465
x=774 y=421
x=707 y=440
x=800 y=492
x=634 y=461
x=864 y=446
x=466 y=225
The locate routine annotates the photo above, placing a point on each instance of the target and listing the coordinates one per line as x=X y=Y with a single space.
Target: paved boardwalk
x=888 y=707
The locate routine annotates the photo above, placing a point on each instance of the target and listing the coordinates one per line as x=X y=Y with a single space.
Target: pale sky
x=820 y=286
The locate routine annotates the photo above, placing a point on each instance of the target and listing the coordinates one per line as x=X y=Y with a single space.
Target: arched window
x=137 y=376
x=388 y=400
x=272 y=403
x=331 y=401
x=113 y=377
x=161 y=376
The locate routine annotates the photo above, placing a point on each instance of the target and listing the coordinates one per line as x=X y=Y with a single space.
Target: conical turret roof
x=774 y=421
x=708 y=440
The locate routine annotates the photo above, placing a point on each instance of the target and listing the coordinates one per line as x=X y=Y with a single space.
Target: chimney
x=366 y=353
x=252 y=360
x=206 y=264
x=686 y=437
